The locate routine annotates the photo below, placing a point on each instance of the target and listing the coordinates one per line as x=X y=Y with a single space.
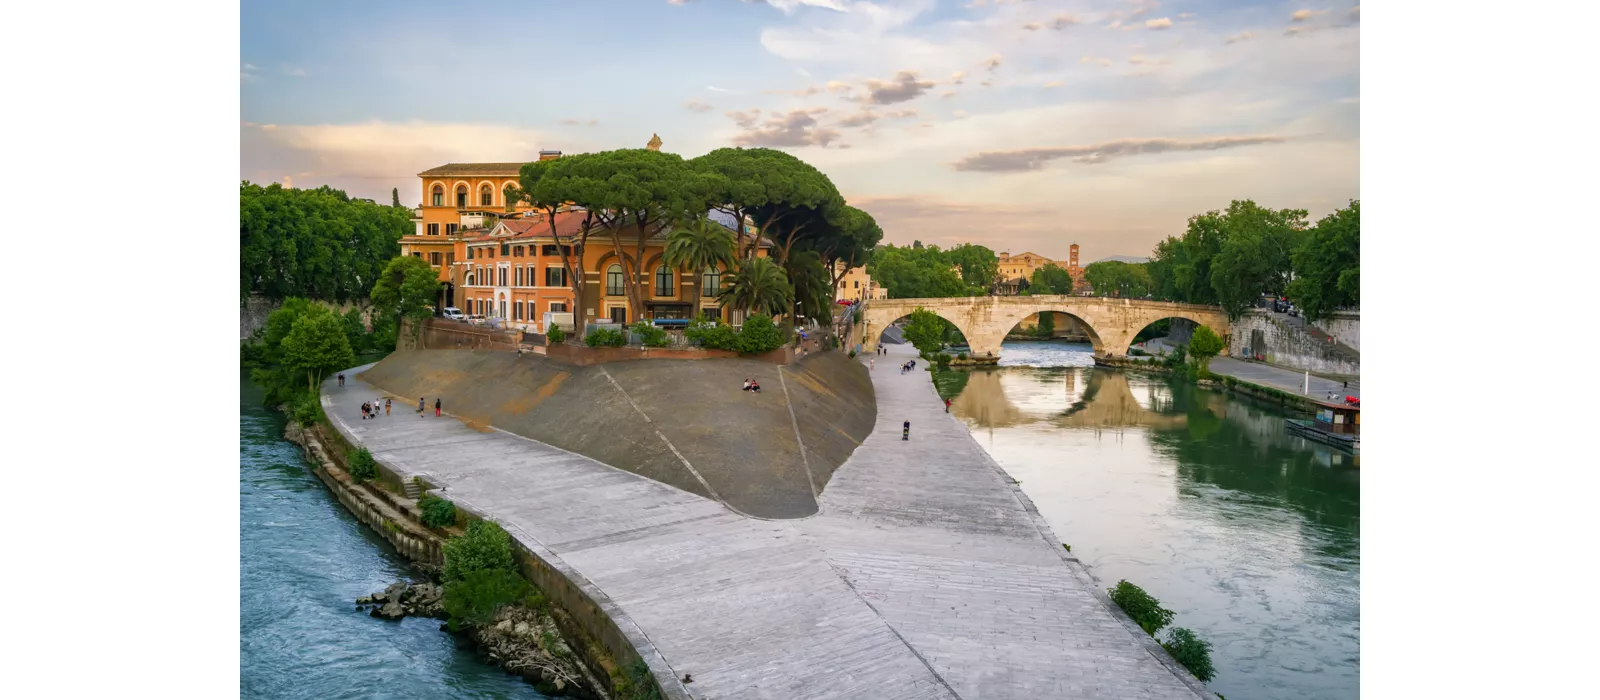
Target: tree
x=406 y=288
x=1114 y=278
x=1255 y=254
x=811 y=285
x=395 y=194
x=925 y=331
x=979 y=265
x=785 y=197
x=1204 y=345
x=698 y=245
x=278 y=325
x=858 y=235
x=758 y=286
x=1327 y=264
x=1046 y=327
x=1050 y=279
x=638 y=189
x=317 y=345
x=316 y=244
x=547 y=186
x=916 y=272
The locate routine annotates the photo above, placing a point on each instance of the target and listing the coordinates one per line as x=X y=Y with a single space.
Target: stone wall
x=582 y=355
x=1345 y=326
x=1284 y=346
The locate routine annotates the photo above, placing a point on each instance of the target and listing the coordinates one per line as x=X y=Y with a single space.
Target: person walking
x=905 y=431
x=388 y=404
x=872 y=363
x=437 y=403
x=947 y=405
x=341 y=379
x=422 y=403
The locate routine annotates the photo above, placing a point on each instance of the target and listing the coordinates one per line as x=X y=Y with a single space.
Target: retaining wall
x=1286 y=347
x=1344 y=325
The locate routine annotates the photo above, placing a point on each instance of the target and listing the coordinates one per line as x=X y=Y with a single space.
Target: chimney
x=549 y=155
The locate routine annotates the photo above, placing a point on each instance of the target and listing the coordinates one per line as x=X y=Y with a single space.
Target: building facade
x=1016 y=270
x=857 y=285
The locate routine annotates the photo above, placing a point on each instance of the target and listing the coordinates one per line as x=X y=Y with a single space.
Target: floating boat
x=1336 y=424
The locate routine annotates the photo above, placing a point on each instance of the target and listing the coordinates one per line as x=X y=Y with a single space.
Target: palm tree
x=758 y=286
x=697 y=245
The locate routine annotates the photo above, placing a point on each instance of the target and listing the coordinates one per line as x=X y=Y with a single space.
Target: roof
x=568 y=223
x=474 y=169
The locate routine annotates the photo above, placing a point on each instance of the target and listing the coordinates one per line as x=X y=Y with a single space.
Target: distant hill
x=1124 y=258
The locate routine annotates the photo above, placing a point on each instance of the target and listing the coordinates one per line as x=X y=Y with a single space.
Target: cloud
x=837 y=87
x=797 y=128
x=802 y=72
x=955 y=78
x=745 y=120
x=947 y=94
x=1303 y=15
x=1241 y=36
x=288 y=181
x=714 y=88
x=1062 y=21
x=807 y=91
x=901 y=114
x=903 y=87
x=246 y=74
x=1297 y=30
x=1030 y=159
x=697 y=106
x=1054 y=84
x=861 y=118
x=1355 y=13
x=1033 y=26
x=789 y=6
x=1350 y=100
x=1162 y=23
x=992 y=62
x=959 y=113
x=579 y=122
x=1139 y=60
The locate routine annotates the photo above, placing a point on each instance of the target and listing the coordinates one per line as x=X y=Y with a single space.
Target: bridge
x=985 y=321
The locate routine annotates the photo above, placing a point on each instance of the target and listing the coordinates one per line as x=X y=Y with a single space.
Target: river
x=1252 y=536
x=303 y=560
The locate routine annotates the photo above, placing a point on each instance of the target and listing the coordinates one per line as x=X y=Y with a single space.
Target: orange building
x=456 y=199
x=515 y=273
x=1014 y=269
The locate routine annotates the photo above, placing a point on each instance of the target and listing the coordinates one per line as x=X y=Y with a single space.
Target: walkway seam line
x=804 y=461
x=664 y=439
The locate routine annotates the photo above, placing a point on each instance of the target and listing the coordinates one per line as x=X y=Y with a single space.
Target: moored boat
x=1334 y=424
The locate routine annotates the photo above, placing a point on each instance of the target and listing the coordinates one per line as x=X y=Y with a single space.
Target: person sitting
x=746 y=384
x=755 y=387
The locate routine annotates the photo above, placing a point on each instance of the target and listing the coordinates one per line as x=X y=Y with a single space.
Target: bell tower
x=1072 y=257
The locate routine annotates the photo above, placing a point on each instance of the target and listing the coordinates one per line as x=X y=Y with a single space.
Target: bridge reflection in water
x=1251 y=533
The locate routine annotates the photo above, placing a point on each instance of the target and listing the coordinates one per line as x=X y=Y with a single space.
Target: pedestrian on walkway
x=421 y=404
x=387 y=405
x=872 y=363
x=905 y=431
x=341 y=379
x=947 y=405
x=436 y=405
x=363 y=410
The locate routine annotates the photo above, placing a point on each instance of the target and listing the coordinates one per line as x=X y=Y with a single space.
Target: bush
x=852 y=354
x=556 y=336
x=961 y=356
x=758 y=335
x=1141 y=606
x=943 y=359
x=649 y=335
x=306 y=410
x=1191 y=651
x=712 y=335
x=478 y=595
x=484 y=546
x=605 y=338
x=361 y=465
x=437 y=512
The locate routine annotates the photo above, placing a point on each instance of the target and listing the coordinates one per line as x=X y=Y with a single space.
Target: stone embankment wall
x=1344 y=325
x=1289 y=347
x=255 y=309
x=650 y=416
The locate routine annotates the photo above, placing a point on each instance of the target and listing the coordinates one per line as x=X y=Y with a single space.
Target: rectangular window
x=435 y=258
x=519 y=275
x=416 y=255
x=516 y=252
x=555 y=277
x=548 y=250
x=433 y=229
x=438 y=199
x=858 y=284
x=450 y=229
x=505 y=249
x=614 y=281
x=516 y=311
x=490 y=251
x=710 y=283
x=619 y=314
x=558 y=307
x=450 y=258
x=664 y=281
x=503 y=274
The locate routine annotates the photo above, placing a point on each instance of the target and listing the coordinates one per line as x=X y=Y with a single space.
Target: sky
x=1021 y=125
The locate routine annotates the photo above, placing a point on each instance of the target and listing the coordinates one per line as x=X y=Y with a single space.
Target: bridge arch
x=877 y=323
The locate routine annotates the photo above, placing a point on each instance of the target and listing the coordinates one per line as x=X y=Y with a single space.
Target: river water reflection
x=303 y=560
x=1251 y=535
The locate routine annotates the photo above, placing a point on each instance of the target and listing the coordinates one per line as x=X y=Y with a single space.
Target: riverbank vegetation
x=917 y=271
x=315 y=244
x=1182 y=643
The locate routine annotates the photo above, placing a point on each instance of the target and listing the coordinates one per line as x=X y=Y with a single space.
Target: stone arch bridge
x=985 y=321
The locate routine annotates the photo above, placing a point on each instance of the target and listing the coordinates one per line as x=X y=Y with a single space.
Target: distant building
x=1016 y=271
x=857 y=285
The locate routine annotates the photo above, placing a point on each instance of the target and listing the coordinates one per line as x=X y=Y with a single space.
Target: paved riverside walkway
x=1284 y=379
x=924 y=575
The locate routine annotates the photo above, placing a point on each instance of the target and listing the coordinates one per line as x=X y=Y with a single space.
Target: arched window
x=486 y=195
x=461 y=197
x=710 y=282
x=664 y=281
x=438 y=195
x=614 y=281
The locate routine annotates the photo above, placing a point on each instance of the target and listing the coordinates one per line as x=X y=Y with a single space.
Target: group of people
x=908 y=366
x=373 y=408
x=752 y=385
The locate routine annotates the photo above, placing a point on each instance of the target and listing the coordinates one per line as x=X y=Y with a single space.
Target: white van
x=454 y=314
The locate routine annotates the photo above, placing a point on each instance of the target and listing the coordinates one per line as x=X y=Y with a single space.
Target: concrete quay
x=925 y=573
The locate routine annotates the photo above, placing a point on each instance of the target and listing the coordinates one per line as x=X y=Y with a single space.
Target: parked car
x=454 y=314
x=477 y=319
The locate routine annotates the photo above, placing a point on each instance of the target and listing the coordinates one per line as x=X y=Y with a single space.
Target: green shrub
x=1191 y=651
x=636 y=683
x=961 y=356
x=361 y=465
x=1141 y=606
x=306 y=410
x=478 y=595
x=605 y=338
x=484 y=546
x=758 y=335
x=437 y=512
x=852 y=354
x=556 y=336
x=712 y=335
x=649 y=335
